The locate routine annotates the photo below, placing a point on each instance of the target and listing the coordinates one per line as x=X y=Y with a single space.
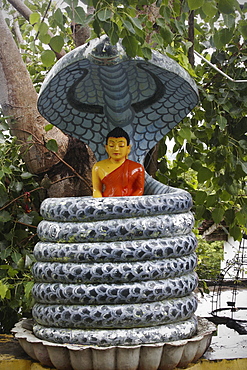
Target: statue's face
x=117 y=148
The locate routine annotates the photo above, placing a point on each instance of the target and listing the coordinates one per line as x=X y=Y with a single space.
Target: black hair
x=118 y=132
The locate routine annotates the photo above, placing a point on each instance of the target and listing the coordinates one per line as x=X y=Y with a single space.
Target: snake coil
x=116 y=271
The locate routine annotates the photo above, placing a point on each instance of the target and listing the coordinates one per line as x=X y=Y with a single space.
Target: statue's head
x=118 y=144
x=118 y=132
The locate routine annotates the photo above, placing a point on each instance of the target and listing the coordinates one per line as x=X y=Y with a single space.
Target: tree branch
x=25 y=12
x=59 y=158
x=191 y=36
x=31 y=191
x=21 y=8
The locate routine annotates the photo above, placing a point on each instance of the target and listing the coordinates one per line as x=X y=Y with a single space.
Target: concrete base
x=156 y=356
x=13 y=357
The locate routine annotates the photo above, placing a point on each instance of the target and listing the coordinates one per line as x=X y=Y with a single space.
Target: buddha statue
x=117 y=176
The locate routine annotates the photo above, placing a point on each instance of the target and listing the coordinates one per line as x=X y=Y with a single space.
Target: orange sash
x=126 y=180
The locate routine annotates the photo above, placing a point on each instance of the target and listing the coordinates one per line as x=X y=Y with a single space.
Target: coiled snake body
x=116 y=271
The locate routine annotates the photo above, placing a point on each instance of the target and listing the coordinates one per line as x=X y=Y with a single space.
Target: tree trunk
x=18 y=99
x=151 y=161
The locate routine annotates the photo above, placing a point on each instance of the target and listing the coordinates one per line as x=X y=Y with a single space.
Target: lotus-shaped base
x=159 y=356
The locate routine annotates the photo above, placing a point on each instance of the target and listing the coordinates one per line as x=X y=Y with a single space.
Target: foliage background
x=210 y=145
x=19 y=218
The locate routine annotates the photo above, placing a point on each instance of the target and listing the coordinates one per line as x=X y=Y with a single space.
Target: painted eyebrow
x=113 y=141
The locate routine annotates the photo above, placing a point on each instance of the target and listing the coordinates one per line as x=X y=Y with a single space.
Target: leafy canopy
x=211 y=143
x=19 y=217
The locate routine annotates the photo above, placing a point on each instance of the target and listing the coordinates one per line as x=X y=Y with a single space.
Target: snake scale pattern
x=116 y=271
x=115 y=266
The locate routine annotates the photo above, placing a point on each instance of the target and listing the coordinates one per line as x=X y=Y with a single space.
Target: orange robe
x=128 y=179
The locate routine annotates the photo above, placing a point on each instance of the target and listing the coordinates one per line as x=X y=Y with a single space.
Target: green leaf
x=200 y=197
x=176 y=7
x=222 y=37
x=130 y=11
x=205 y=287
x=147 y=53
x=232 y=188
x=58 y=16
x=243 y=144
x=209 y=8
x=211 y=200
x=96 y=27
x=45 y=39
x=4 y=267
x=113 y=34
x=204 y=174
x=25 y=218
x=226 y=6
x=43 y=28
x=236 y=232
x=229 y=216
x=93 y=3
x=7 y=170
x=200 y=209
x=104 y=14
x=79 y=15
x=16 y=256
x=21 y=234
x=185 y=133
x=28 y=288
x=48 y=127
x=33 y=46
x=161 y=22
x=48 y=58
x=129 y=26
x=197 y=165
x=229 y=20
x=241 y=218
x=188 y=161
x=89 y=19
x=195 y=4
x=52 y=145
x=5 y=253
x=57 y=43
x=3 y=195
x=210 y=97
x=226 y=35
x=222 y=121
x=165 y=12
x=26 y=175
x=5 y=216
x=106 y=27
x=137 y=23
x=3 y=124
x=131 y=45
x=34 y=18
x=167 y=35
x=12 y=272
x=3 y=289
x=225 y=195
x=158 y=39
x=243 y=165
x=243 y=28
x=217 y=215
